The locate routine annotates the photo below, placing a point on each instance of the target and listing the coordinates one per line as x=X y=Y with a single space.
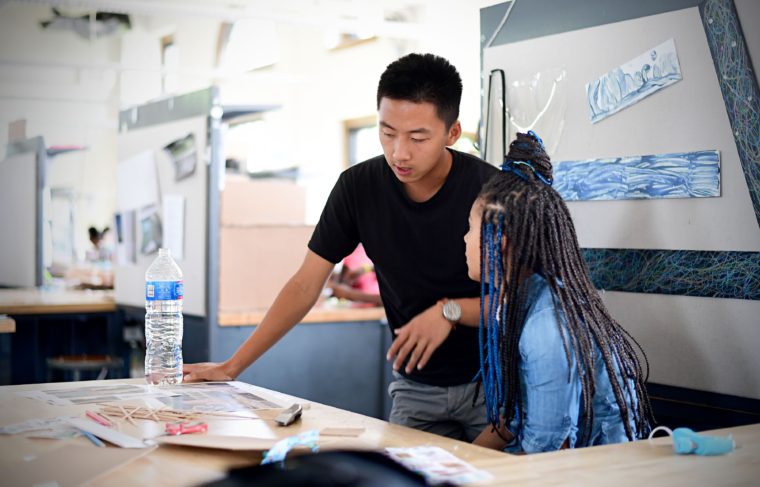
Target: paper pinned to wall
x=630 y=82
x=184 y=155
x=174 y=224
x=125 y=237
x=151 y=233
x=675 y=175
x=137 y=182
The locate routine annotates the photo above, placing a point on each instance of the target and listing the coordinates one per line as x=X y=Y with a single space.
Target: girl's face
x=472 y=241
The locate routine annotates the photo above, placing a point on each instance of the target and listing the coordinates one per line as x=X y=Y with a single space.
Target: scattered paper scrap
x=94 y=394
x=437 y=465
x=57 y=428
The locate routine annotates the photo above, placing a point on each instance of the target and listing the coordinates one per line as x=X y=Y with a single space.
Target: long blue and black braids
x=520 y=207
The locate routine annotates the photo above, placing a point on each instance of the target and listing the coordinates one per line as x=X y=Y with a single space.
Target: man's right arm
x=295 y=299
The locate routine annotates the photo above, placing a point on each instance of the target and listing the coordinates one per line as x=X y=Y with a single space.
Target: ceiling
x=387 y=18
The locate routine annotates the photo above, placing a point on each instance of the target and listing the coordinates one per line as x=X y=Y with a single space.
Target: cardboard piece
x=218 y=442
x=348 y=432
x=248 y=201
x=255 y=262
x=53 y=467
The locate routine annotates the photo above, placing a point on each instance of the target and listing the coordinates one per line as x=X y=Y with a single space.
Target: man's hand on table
x=206 y=371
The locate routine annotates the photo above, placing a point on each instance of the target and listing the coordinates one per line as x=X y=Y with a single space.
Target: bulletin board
x=148 y=173
x=682 y=275
x=665 y=122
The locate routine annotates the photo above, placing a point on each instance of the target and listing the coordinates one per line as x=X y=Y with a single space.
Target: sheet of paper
x=111 y=435
x=38 y=425
x=137 y=182
x=437 y=465
x=174 y=225
x=94 y=394
x=215 y=397
x=150 y=235
x=125 y=237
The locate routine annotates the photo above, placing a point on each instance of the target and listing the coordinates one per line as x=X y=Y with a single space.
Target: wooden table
x=35 y=301
x=46 y=320
x=641 y=464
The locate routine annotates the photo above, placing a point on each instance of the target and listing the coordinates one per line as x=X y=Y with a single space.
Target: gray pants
x=445 y=411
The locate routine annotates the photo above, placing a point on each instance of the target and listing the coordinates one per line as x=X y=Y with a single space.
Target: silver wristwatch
x=452 y=311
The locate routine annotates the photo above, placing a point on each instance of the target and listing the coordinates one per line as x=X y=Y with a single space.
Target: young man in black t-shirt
x=409 y=207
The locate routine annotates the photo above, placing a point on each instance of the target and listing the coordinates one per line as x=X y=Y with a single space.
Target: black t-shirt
x=417 y=248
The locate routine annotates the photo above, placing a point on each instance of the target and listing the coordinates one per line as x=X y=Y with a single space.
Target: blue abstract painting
x=677 y=175
x=633 y=81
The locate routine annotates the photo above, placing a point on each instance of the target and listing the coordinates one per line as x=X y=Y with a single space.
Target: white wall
x=66 y=105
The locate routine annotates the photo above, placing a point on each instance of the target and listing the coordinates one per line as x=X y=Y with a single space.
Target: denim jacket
x=551 y=406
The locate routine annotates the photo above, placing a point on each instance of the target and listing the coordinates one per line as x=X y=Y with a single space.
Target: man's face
x=414 y=138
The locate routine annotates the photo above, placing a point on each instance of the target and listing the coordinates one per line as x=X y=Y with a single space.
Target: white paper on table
x=41 y=424
x=111 y=435
x=174 y=224
x=94 y=394
x=231 y=396
x=438 y=465
x=137 y=182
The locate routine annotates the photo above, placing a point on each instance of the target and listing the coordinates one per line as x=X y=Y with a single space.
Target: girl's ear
x=506 y=248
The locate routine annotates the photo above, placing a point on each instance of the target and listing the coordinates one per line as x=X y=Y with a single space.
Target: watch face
x=452 y=311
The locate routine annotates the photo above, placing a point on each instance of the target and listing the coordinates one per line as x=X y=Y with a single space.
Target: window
x=362 y=139
x=255 y=145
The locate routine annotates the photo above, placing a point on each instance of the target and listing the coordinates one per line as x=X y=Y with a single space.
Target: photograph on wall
x=676 y=175
x=631 y=82
x=150 y=230
x=124 y=223
x=184 y=155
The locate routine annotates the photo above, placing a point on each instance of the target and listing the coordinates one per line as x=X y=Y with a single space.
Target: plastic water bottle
x=163 y=320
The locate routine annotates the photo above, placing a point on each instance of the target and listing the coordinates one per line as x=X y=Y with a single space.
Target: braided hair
x=526 y=228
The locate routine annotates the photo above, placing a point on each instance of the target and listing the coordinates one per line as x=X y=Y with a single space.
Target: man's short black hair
x=423 y=78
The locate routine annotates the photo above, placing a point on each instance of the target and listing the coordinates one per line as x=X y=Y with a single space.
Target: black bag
x=332 y=468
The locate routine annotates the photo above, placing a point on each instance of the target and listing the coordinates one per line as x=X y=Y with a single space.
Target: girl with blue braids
x=557 y=370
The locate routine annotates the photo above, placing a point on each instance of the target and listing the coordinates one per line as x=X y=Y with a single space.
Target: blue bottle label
x=164 y=290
